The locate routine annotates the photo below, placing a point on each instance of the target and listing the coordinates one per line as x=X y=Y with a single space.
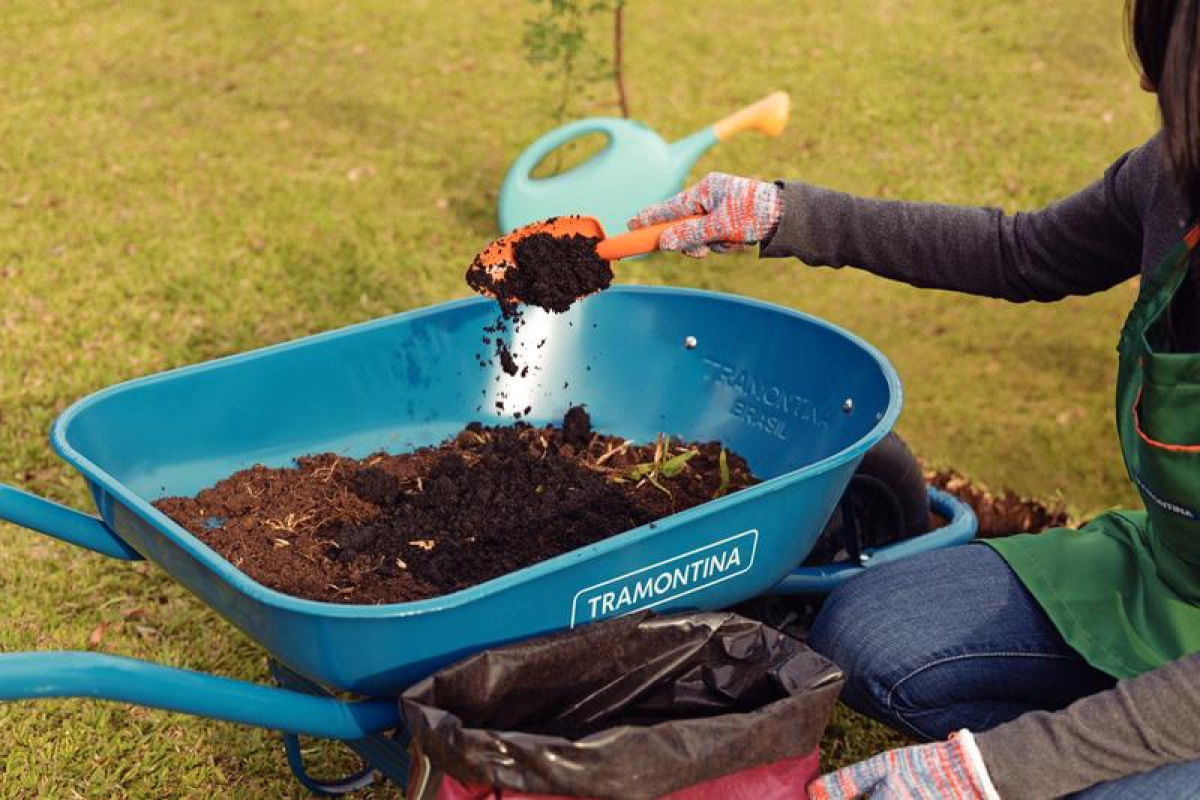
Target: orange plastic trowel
x=489 y=267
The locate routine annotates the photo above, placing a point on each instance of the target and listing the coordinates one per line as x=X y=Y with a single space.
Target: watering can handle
x=825 y=578
x=46 y=516
x=552 y=140
x=768 y=115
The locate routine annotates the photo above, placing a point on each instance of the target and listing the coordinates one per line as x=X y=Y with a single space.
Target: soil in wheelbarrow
x=491 y=500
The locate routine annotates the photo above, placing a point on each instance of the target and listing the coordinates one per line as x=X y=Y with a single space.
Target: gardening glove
x=739 y=211
x=950 y=770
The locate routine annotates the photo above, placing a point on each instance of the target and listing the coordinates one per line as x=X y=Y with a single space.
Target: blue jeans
x=951 y=639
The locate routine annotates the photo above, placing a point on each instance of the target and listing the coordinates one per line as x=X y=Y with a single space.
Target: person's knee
x=862 y=616
x=898 y=611
x=890 y=620
x=852 y=630
x=844 y=621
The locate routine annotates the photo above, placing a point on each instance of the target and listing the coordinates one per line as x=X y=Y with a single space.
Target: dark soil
x=507 y=362
x=554 y=271
x=550 y=272
x=396 y=528
x=493 y=335
x=1000 y=514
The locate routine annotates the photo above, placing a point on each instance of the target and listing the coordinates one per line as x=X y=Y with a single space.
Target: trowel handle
x=636 y=243
x=768 y=115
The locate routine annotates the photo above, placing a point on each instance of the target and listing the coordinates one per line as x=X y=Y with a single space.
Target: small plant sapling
x=559 y=39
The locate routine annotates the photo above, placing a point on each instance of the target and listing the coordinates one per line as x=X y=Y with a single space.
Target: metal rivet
x=848 y=405
x=689 y=342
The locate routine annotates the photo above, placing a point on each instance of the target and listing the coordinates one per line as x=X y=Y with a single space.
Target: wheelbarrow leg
x=387 y=754
x=323 y=788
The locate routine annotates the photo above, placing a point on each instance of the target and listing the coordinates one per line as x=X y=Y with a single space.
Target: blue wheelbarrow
x=801 y=399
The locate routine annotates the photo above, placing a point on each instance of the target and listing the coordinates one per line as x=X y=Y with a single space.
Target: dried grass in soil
x=397 y=528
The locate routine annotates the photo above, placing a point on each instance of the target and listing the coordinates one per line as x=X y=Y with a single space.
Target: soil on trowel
x=550 y=272
x=554 y=271
x=491 y=500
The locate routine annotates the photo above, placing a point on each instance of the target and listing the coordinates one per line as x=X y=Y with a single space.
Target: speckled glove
x=738 y=211
x=950 y=770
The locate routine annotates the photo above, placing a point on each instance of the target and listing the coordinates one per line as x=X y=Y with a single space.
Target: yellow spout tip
x=769 y=115
x=775 y=117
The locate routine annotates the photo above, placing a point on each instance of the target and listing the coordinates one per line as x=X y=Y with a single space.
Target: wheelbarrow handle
x=61 y=522
x=959 y=529
x=29 y=676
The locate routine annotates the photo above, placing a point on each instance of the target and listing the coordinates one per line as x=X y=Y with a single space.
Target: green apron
x=1124 y=590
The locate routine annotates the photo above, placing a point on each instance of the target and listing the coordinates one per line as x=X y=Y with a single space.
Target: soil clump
x=491 y=500
x=999 y=514
x=552 y=272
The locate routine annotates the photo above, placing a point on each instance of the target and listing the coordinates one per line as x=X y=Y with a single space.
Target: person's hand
x=738 y=211
x=950 y=770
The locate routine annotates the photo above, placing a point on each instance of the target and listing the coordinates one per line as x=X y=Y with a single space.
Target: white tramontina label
x=667 y=580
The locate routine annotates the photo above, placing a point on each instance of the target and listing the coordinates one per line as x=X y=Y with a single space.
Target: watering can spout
x=686 y=152
x=768 y=115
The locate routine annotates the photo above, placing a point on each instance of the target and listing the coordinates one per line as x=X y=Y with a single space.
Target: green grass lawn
x=184 y=181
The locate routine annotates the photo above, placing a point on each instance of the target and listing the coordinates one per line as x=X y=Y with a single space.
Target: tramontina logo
x=667 y=580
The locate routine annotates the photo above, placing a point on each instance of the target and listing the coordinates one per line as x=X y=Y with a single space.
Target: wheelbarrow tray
x=801 y=399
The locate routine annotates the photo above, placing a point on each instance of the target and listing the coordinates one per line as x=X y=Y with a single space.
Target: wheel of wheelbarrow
x=885 y=501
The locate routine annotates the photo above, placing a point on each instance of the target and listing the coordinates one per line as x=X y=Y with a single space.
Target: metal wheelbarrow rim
x=263 y=594
x=31 y=675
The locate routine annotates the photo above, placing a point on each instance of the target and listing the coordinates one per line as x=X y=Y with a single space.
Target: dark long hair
x=1165 y=39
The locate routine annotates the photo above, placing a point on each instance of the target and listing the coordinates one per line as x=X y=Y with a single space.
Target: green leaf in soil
x=639 y=471
x=674 y=465
x=723 y=466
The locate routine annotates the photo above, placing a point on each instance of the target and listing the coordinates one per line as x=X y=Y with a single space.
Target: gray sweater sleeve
x=1144 y=722
x=1084 y=243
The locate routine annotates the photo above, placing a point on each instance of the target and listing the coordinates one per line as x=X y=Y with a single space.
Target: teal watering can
x=635 y=169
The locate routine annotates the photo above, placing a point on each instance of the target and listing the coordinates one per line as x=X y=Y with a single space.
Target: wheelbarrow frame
x=129 y=528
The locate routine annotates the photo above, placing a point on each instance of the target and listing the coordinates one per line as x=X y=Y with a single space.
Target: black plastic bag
x=633 y=707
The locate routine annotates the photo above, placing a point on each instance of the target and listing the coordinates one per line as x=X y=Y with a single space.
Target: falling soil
x=507 y=362
x=550 y=272
x=493 y=335
x=491 y=500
